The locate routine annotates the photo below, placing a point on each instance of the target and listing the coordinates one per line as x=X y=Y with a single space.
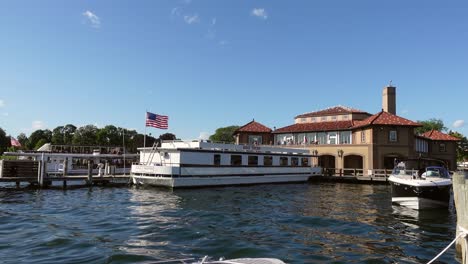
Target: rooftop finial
x=390 y=84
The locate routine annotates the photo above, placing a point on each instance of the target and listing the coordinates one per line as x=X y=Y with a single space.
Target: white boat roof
x=208 y=145
x=67 y=155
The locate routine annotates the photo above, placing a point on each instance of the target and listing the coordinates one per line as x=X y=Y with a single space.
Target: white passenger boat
x=203 y=163
x=420 y=184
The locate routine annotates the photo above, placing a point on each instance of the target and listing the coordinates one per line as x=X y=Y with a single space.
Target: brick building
x=348 y=138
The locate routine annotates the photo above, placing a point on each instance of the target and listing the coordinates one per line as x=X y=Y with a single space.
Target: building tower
x=389 y=99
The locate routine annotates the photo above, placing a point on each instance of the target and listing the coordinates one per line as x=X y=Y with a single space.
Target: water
x=298 y=223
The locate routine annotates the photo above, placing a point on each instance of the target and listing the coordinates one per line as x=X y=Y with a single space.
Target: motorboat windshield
x=421 y=168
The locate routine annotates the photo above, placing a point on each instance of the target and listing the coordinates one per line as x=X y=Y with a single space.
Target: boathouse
x=348 y=138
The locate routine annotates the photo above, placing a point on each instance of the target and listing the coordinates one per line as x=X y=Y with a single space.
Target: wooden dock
x=34 y=173
x=379 y=176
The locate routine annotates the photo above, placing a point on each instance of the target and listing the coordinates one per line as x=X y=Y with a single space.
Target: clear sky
x=208 y=64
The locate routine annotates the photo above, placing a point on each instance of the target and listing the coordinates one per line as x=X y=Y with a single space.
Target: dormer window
x=324 y=118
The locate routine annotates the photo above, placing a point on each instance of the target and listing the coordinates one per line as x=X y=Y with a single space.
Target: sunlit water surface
x=298 y=223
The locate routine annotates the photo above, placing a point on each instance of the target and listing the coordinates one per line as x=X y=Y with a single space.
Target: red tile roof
x=316 y=127
x=437 y=135
x=385 y=119
x=333 y=111
x=253 y=126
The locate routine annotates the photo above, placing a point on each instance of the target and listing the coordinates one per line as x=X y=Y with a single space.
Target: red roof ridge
x=385 y=118
x=332 y=110
x=253 y=126
x=316 y=127
x=434 y=134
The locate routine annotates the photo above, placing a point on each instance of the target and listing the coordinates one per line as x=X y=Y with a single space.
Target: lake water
x=298 y=223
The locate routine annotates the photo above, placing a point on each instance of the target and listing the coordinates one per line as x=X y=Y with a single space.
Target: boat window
x=305 y=162
x=253 y=160
x=294 y=161
x=217 y=159
x=236 y=160
x=267 y=161
x=283 y=161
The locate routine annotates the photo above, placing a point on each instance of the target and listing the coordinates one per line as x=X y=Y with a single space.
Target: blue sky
x=209 y=64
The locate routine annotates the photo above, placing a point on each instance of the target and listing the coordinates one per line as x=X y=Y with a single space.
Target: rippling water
x=298 y=223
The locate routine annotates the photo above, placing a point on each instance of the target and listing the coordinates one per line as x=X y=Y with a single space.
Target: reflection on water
x=298 y=223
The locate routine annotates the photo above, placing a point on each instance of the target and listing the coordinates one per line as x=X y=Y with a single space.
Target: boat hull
x=176 y=177
x=421 y=197
x=185 y=182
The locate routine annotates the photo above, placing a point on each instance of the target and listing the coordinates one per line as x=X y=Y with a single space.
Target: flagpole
x=144 y=138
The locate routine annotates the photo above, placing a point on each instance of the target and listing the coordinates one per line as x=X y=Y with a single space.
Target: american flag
x=157 y=121
x=14 y=142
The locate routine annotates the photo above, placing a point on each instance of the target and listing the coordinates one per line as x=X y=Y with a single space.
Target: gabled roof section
x=253 y=126
x=335 y=110
x=385 y=119
x=316 y=127
x=437 y=135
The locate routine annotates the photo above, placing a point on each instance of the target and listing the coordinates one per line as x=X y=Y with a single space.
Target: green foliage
x=85 y=136
x=63 y=135
x=462 y=148
x=224 y=134
x=4 y=141
x=88 y=135
x=167 y=136
x=431 y=124
x=43 y=135
x=109 y=136
x=23 y=140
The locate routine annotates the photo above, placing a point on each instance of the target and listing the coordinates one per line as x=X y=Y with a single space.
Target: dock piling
x=90 y=172
x=460 y=195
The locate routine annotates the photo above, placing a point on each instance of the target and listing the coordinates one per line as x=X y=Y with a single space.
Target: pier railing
x=373 y=174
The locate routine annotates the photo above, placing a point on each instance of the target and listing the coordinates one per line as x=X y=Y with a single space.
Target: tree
x=167 y=136
x=462 y=148
x=431 y=124
x=58 y=137
x=85 y=136
x=109 y=136
x=4 y=141
x=68 y=133
x=224 y=134
x=37 y=135
x=138 y=142
x=23 y=139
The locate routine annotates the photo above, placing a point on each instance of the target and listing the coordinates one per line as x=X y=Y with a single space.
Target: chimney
x=389 y=99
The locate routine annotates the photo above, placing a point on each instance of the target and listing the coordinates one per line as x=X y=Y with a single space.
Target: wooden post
x=460 y=196
x=106 y=168
x=90 y=172
x=65 y=167
x=64 y=184
x=40 y=176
